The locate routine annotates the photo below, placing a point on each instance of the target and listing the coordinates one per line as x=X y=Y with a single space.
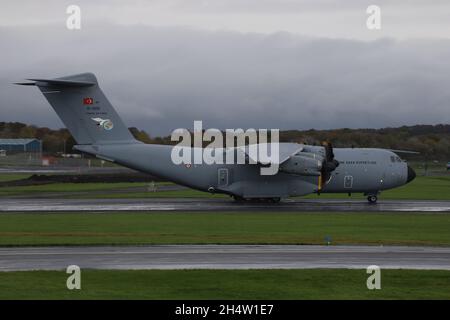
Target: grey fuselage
x=98 y=130
x=365 y=170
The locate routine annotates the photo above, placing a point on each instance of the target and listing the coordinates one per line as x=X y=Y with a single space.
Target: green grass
x=240 y=228
x=13 y=176
x=425 y=188
x=421 y=188
x=68 y=187
x=226 y=284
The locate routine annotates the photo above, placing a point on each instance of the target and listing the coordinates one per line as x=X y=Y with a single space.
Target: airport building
x=13 y=146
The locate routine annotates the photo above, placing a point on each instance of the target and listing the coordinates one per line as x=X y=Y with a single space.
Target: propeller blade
x=329 y=164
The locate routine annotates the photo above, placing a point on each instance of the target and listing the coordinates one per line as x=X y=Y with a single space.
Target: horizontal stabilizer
x=57 y=83
x=26 y=83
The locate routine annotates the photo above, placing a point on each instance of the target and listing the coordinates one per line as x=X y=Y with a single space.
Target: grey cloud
x=160 y=79
x=317 y=18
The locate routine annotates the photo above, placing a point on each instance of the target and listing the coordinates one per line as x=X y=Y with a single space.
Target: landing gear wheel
x=372 y=199
x=276 y=200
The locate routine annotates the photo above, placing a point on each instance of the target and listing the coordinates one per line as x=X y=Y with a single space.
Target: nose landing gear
x=372 y=198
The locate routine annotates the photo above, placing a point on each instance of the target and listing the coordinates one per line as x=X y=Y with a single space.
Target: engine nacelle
x=305 y=164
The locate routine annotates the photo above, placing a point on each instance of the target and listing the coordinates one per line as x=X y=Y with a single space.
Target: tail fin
x=84 y=109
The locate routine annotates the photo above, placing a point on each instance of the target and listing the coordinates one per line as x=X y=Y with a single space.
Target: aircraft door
x=222 y=176
x=348 y=182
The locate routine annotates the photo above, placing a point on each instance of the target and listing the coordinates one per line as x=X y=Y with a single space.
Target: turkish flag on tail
x=88 y=101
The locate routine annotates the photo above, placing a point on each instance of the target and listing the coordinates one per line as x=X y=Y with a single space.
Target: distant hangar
x=9 y=146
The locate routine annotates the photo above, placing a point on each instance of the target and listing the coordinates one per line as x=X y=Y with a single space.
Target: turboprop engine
x=304 y=163
x=313 y=164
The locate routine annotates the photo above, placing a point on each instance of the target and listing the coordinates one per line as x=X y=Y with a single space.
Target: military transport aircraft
x=303 y=169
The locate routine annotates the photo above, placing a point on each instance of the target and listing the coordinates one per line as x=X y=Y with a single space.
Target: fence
x=36 y=160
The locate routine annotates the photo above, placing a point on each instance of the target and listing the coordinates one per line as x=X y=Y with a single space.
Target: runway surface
x=224 y=257
x=196 y=204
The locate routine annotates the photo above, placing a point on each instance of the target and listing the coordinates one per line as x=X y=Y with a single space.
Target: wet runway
x=215 y=205
x=223 y=257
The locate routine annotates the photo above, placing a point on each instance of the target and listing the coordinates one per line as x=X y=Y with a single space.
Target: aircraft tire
x=372 y=199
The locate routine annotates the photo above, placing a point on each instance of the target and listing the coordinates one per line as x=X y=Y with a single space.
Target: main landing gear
x=257 y=200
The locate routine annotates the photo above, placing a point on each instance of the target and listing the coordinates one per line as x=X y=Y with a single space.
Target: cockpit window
x=392 y=159
x=398 y=159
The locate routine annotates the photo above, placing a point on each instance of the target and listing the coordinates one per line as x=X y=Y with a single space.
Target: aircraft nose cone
x=411 y=175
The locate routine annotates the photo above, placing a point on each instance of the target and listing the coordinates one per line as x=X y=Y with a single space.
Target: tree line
x=432 y=141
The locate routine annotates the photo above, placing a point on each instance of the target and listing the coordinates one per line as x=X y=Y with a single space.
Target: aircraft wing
x=404 y=151
x=285 y=151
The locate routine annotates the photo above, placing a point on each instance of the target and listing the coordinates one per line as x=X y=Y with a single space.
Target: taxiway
x=224 y=257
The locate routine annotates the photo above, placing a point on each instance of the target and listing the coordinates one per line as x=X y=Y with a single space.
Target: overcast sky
x=288 y=64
